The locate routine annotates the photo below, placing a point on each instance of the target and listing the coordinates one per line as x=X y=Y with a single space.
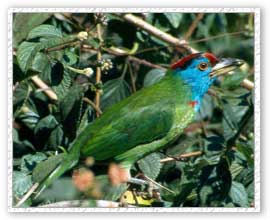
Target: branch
x=27 y=195
x=84 y=204
x=43 y=86
x=182 y=156
x=97 y=109
x=157 y=33
x=145 y=62
x=193 y=26
x=98 y=72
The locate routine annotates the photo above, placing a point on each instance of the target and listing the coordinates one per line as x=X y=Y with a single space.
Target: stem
x=97 y=109
x=98 y=71
x=62 y=46
x=182 y=156
x=27 y=195
x=43 y=86
x=157 y=33
x=132 y=77
x=193 y=26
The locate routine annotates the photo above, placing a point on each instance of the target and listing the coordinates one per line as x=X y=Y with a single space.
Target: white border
x=257 y=171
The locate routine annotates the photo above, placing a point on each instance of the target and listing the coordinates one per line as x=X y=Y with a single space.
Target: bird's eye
x=203 y=66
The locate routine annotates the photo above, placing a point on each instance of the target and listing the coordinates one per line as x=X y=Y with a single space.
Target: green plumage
x=141 y=124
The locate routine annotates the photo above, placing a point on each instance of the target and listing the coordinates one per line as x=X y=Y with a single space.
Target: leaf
x=26 y=54
x=62 y=85
x=28 y=117
x=111 y=193
x=238 y=194
x=150 y=165
x=20 y=95
x=30 y=161
x=114 y=91
x=185 y=190
x=46 y=31
x=21 y=183
x=61 y=189
x=55 y=139
x=44 y=168
x=232 y=81
x=24 y=22
x=153 y=76
x=70 y=110
x=174 y=18
x=69 y=58
x=42 y=65
x=47 y=123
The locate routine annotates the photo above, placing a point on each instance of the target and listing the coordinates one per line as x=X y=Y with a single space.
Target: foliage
x=63 y=50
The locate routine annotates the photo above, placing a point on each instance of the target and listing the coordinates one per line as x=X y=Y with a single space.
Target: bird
x=148 y=120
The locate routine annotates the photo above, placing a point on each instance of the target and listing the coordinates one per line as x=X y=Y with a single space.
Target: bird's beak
x=225 y=65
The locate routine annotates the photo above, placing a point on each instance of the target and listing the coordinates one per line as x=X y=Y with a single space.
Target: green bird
x=150 y=119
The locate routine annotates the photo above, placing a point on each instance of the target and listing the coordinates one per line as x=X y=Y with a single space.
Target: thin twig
x=27 y=195
x=98 y=71
x=62 y=46
x=182 y=156
x=193 y=26
x=43 y=86
x=132 y=77
x=145 y=62
x=217 y=36
x=97 y=109
x=157 y=33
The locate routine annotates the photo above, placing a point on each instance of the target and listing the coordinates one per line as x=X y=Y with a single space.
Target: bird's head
x=200 y=70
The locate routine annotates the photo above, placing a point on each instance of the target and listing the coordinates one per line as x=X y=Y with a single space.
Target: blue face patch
x=196 y=74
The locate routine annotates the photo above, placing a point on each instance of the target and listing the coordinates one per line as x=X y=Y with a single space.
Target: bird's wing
x=127 y=125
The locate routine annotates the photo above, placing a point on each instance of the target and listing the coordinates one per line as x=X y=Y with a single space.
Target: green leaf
x=185 y=191
x=55 y=138
x=111 y=193
x=46 y=31
x=174 y=18
x=47 y=123
x=61 y=88
x=150 y=165
x=233 y=80
x=30 y=161
x=69 y=58
x=24 y=22
x=62 y=189
x=26 y=54
x=153 y=76
x=42 y=65
x=114 y=91
x=21 y=94
x=70 y=110
x=21 y=183
x=29 y=118
x=44 y=168
x=238 y=194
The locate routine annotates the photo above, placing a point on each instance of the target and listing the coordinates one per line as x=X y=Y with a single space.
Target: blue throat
x=199 y=85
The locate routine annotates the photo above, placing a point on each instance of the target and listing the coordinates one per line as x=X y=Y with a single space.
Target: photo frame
x=168 y=38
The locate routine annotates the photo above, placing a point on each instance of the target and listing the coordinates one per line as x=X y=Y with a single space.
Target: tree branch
x=43 y=86
x=182 y=156
x=88 y=101
x=98 y=71
x=157 y=33
x=193 y=26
